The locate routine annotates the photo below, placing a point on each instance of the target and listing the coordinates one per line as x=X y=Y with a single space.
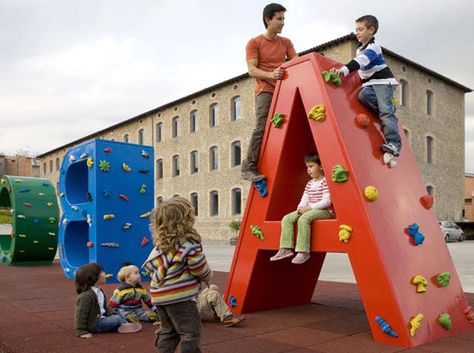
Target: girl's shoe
x=130 y=327
x=300 y=258
x=282 y=254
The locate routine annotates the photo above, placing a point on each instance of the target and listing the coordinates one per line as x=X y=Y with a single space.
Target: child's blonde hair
x=125 y=272
x=172 y=222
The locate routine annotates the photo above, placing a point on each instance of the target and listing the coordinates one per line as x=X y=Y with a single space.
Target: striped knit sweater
x=316 y=195
x=176 y=276
x=373 y=69
x=128 y=297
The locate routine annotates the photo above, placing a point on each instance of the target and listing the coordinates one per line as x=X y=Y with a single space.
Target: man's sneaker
x=282 y=254
x=390 y=148
x=251 y=176
x=130 y=327
x=300 y=258
x=232 y=320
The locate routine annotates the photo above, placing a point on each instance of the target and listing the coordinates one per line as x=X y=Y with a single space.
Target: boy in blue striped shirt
x=378 y=83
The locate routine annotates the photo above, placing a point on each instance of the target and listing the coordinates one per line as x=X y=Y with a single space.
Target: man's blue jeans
x=109 y=323
x=379 y=98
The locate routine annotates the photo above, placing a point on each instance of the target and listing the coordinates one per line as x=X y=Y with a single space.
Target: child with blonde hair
x=127 y=299
x=177 y=266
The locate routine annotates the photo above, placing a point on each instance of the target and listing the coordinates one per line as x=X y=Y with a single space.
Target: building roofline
x=347 y=37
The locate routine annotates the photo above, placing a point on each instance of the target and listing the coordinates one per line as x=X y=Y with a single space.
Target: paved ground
x=337 y=267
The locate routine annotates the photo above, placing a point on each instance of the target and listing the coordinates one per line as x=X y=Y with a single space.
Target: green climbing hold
x=443 y=279
x=257 y=231
x=277 y=119
x=104 y=166
x=445 y=320
x=339 y=174
x=332 y=77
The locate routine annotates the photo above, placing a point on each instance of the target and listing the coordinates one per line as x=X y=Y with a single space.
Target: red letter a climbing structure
x=405 y=275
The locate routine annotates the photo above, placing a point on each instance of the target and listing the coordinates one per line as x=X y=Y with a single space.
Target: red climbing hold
x=145 y=241
x=107 y=150
x=26 y=204
x=123 y=197
x=426 y=201
x=89 y=244
x=362 y=121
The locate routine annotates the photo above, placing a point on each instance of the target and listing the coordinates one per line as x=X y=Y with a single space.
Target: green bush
x=5 y=216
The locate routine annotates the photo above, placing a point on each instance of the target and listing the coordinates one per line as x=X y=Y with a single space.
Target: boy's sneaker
x=130 y=327
x=282 y=254
x=132 y=318
x=300 y=258
x=390 y=148
x=232 y=320
x=251 y=176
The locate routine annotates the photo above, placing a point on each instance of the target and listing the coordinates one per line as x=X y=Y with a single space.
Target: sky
x=69 y=68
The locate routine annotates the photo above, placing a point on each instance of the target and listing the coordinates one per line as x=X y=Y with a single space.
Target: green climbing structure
x=32 y=236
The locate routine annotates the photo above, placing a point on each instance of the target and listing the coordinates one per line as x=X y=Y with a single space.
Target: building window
x=429 y=149
x=193 y=162
x=140 y=136
x=403 y=93
x=158 y=132
x=235 y=108
x=429 y=190
x=213 y=158
x=174 y=127
x=125 y=138
x=213 y=203
x=194 y=202
x=159 y=200
x=235 y=151
x=429 y=102
x=213 y=115
x=193 y=121
x=236 y=201
x=175 y=165
x=44 y=168
x=51 y=166
x=57 y=164
x=159 y=169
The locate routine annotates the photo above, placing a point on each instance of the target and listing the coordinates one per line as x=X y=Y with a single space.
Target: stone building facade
x=200 y=140
x=468 y=211
x=19 y=165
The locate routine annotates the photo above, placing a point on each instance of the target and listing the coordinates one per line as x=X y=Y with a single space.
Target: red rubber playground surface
x=37 y=307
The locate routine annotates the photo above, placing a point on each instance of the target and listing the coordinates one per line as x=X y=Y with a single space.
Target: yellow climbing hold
x=90 y=162
x=318 y=113
x=420 y=282
x=50 y=204
x=415 y=324
x=145 y=215
x=371 y=193
x=126 y=168
x=109 y=216
x=345 y=233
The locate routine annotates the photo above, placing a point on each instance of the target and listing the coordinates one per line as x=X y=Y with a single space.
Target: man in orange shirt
x=264 y=55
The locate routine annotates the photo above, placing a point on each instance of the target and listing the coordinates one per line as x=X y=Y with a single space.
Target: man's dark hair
x=312 y=157
x=86 y=276
x=269 y=11
x=370 y=21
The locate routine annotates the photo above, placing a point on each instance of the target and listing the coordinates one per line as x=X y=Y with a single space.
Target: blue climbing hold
x=232 y=301
x=385 y=327
x=414 y=231
x=261 y=186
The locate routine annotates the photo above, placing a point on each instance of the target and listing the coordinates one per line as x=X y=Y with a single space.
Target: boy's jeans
x=379 y=99
x=303 y=239
x=180 y=323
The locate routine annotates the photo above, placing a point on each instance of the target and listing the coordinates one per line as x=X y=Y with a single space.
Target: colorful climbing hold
x=72 y=158
x=107 y=149
x=126 y=168
x=61 y=194
x=126 y=226
x=123 y=197
x=22 y=235
x=109 y=217
x=445 y=320
x=385 y=327
x=145 y=241
x=345 y=233
x=110 y=245
x=24 y=190
x=21 y=216
x=277 y=119
x=232 y=301
x=107 y=193
x=371 y=193
x=89 y=220
x=49 y=204
x=143 y=189
x=74 y=208
x=318 y=113
x=144 y=171
x=104 y=166
x=415 y=324
x=27 y=204
x=339 y=174
x=443 y=279
x=89 y=244
x=257 y=231
x=109 y=275
x=145 y=215
x=414 y=231
x=361 y=121
x=427 y=201
x=261 y=186
x=52 y=220
x=420 y=282
x=90 y=162
x=332 y=77
x=52 y=234
x=469 y=314
x=83 y=155
x=88 y=196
